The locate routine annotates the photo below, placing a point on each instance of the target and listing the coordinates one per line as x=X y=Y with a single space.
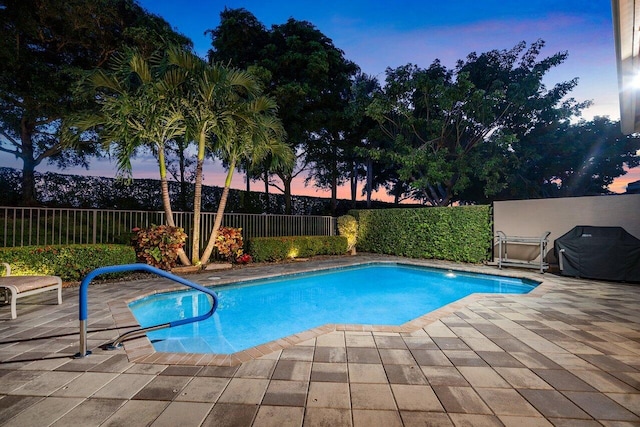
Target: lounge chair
x=22 y=286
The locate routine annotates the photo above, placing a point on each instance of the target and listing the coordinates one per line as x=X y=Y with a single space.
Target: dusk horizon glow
x=379 y=34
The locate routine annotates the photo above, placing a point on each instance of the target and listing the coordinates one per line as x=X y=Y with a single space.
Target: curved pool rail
x=84 y=292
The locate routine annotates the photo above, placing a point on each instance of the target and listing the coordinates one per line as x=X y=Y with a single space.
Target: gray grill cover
x=608 y=253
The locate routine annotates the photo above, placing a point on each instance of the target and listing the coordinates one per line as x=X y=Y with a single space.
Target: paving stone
x=372 y=396
x=396 y=357
x=522 y=378
x=474 y=420
x=292 y=370
x=482 y=377
x=162 y=388
x=46 y=383
x=461 y=400
x=600 y=406
x=91 y=412
x=245 y=391
x=286 y=393
x=551 y=404
x=203 y=389
x=330 y=354
x=325 y=417
x=366 y=373
x=507 y=402
x=230 y=415
x=405 y=374
x=444 y=375
x=416 y=398
x=278 y=416
x=464 y=358
x=12 y=405
x=54 y=408
x=425 y=419
x=563 y=380
x=431 y=358
x=328 y=395
x=183 y=414
x=368 y=418
x=124 y=386
x=330 y=372
x=363 y=355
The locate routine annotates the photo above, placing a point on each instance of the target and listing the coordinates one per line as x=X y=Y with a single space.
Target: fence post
x=95 y=225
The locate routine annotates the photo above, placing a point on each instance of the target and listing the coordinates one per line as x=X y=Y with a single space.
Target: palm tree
x=254 y=134
x=210 y=107
x=140 y=107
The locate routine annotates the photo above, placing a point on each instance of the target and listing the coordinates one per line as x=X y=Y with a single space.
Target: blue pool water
x=253 y=313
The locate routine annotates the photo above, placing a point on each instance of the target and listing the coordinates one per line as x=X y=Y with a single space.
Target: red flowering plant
x=229 y=243
x=158 y=245
x=244 y=259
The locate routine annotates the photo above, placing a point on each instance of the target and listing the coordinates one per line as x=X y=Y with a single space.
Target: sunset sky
x=379 y=34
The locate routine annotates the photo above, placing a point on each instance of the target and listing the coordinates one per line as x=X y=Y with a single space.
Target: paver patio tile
x=181 y=371
x=551 y=403
x=464 y=358
x=291 y=370
x=286 y=393
x=85 y=385
x=416 y=398
x=301 y=353
x=603 y=381
x=183 y=414
x=230 y=415
x=324 y=417
x=203 y=389
x=359 y=339
x=279 y=416
x=328 y=395
x=563 y=380
x=366 y=373
x=372 y=396
x=431 y=358
x=330 y=354
x=91 y=412
x=363 y=355
x=439 y=330
x=13 y=405
x=46 y=383
x=507 y=402
x=515 y=421
x=425 y=419
x=330 y=372
x=535 y=360
x=124 y=386
x=450 y=343
x=405 y=374
x=54 y=408
x=566 y=422
x=245 y=391
x=628 y=400
x=162 y=388
x=461 y=400
x=482 y=377
x=522 y=378
x=500 y=358
x=390 y=341
x=444 y=375
x=600 y=407
x=472 y=420
x=218 y=371
x=420 y=343
x=368 y=418
x=332 y=339
x=396 y=357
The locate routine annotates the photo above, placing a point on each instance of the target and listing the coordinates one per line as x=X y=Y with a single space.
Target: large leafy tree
x=570 y=159
x=45 y=45
x=439 y=120
x=306 y=74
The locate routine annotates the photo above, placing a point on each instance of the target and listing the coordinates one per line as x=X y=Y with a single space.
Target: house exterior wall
x=535 y=217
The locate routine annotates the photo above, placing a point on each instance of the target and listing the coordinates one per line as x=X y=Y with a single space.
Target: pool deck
x=568 y=354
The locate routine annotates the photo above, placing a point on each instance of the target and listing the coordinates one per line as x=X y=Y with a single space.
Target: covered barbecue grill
x=608 y=253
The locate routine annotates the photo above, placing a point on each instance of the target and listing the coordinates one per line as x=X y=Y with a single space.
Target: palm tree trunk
x=197 y=202
x=166 y=201
x=219 y=213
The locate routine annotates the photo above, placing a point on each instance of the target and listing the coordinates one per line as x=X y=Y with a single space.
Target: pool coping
x=140 y=349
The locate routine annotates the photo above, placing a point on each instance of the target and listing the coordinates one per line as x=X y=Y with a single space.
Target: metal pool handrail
x=84 y=291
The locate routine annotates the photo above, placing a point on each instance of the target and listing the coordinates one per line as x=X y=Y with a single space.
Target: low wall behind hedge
x=461 y=233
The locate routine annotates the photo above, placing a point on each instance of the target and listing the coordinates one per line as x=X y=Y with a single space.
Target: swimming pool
x=256 y=312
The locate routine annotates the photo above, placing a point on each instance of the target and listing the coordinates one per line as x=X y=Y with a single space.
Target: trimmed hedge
x=460 y=233
x=70 y=262
x=278 y=248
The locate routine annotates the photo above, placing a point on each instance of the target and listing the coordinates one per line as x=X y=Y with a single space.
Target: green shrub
x=70 y=262
x=279 y=248
x=158 y=245
x=461 y=233
x=348 y=227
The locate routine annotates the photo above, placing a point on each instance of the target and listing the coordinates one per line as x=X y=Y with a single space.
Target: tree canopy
x=45 y=45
